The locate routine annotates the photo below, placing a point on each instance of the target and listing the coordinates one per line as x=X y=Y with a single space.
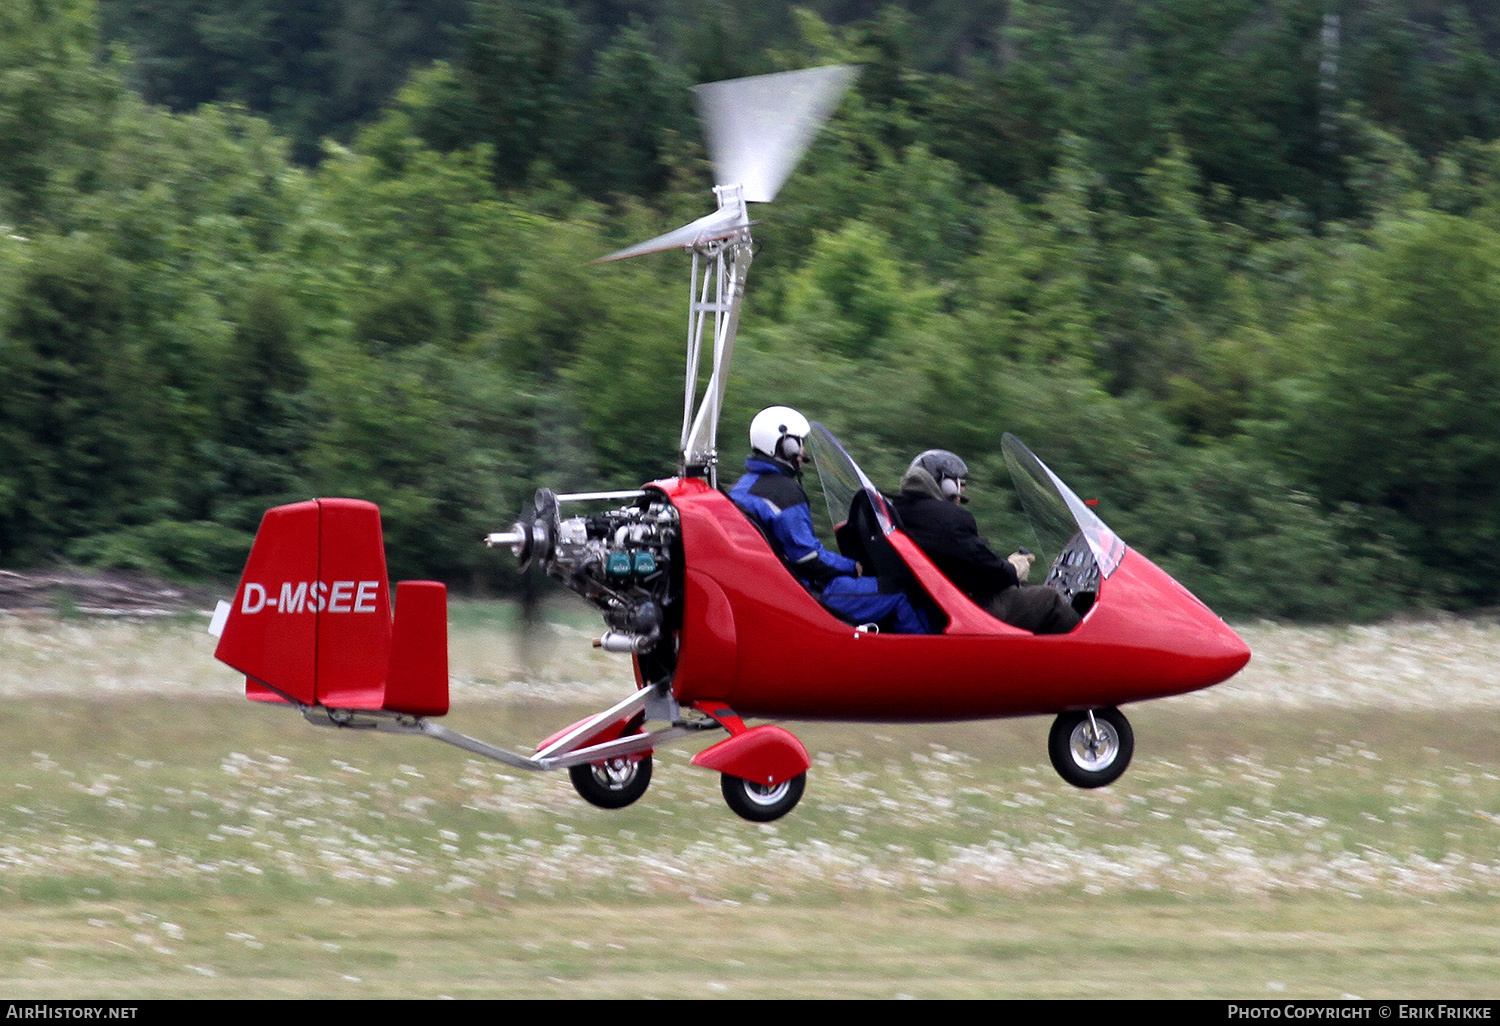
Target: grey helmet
x=950 y=472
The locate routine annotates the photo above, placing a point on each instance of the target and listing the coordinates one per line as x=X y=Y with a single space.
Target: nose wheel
x=612 y=784
x=1091 y=748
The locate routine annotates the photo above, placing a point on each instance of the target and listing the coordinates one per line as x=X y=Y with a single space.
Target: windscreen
x=1056 y=514
x=842 y=479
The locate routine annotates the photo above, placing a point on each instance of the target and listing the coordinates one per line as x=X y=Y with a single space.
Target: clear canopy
x=842 y=479
x=1056 y=514
x=1061 y=521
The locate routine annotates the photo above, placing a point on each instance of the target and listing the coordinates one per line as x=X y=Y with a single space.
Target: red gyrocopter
x=692 y=591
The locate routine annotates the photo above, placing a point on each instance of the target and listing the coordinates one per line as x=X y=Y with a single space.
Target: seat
x=862 y=539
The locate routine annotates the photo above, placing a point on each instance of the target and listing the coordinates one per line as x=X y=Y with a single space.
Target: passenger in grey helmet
x=930 y=509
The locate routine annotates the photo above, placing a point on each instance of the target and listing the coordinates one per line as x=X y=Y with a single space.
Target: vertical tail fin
x=277 y=645
x=311 y=619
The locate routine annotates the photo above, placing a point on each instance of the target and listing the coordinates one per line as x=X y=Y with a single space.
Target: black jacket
x=949 y=535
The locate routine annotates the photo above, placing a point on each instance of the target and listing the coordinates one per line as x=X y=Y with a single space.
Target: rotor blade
x=721 y=224
x=758 y=128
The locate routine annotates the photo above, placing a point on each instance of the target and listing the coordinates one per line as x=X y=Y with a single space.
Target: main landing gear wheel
x=1091 y=754
x=613 y=784
x=761 y=803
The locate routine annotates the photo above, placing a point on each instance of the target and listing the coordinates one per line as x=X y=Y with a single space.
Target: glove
x=1022 y=562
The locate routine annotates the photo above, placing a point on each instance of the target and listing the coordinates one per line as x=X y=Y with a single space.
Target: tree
x=314 y=68
x=510 y=86
x=852 y=283
x=80 y=417
x=632 y=105
x=1398 y=410
x=56 y=106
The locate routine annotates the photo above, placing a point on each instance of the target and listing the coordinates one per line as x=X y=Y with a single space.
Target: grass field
x=1327 y=824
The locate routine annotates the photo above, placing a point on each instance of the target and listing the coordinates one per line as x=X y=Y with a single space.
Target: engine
x=621 y=560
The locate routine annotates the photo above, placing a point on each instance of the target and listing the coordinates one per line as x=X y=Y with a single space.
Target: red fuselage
x=753 y=638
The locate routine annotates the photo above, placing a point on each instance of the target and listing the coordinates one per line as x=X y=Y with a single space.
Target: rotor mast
x=757 y=129
x=724 y=264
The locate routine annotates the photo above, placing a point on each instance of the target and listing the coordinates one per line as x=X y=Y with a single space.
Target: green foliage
x=168 y=548
x=601 y=349
x=425 y=437
x=1247 y=304
x=76 y=444
x=55 y=106
x=853 y=283
x=314 y=67
x=416 y=240
x=1398 y=410
x=508 y=88
x=1226 y=523
x=633 y=105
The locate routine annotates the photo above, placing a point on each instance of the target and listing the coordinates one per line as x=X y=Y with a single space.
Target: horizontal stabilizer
x=311 y=620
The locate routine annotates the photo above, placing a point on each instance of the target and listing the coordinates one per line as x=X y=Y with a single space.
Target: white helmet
x=779 y=432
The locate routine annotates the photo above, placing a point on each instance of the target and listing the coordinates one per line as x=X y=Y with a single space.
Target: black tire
x=1091 y=762
x=613 y=784
x=759 y=803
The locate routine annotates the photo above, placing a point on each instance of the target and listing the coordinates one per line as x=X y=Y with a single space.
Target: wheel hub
x=615 y=773
x=1094 y=749
x=766 y=794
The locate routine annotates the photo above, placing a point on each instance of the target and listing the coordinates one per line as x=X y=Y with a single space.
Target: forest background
x=1232 y=267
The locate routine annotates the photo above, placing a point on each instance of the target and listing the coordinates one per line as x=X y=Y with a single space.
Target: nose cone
x=1176 y=641
x=1221 y=651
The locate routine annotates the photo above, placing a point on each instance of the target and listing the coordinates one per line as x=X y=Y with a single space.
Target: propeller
x=531 y=540
x=758 y=128
x=724 y=223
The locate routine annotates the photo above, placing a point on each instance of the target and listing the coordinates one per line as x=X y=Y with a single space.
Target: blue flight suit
x=771 y=494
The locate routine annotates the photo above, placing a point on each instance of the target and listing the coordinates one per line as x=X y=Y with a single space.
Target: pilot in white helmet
x=771 y=494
